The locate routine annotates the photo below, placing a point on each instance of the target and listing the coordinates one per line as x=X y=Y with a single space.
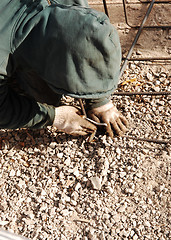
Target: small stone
x=139 y=174
x=66 y=198
x=124 y=218
x=149 y=76
x=121 y=209
x=96 y=182
x=117 y=230
x=65 y=212
x=85 y=238
x=77 y=187
x=73 y=202
x=29 y=221
x=109 y=190
x=74 y=195
x=132 y=233
x=18 y=173
x=12 y=173
x=67 y=161
x=3 y=223
x=116 y=217
x=100 y=151
x=147 y=224
x=91 y=233
x=61 y=175
x=135 y=237
x=106 y=167
x=138 y=52
x=76 y=172
x=124 y=233
x=43 y=193
x=118 y=151
x=106 y=216
x=60 y=155
x=145 y=151
x=122 y=174
x=21 y=183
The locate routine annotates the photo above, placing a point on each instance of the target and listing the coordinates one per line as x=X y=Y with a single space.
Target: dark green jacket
x=72 y=49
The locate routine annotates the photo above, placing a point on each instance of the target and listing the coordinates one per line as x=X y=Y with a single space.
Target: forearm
x=17 y=111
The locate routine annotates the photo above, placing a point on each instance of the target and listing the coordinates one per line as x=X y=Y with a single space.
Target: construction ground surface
x=56 y=187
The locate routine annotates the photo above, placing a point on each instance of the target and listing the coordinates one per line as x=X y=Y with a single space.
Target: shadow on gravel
x=26 y=138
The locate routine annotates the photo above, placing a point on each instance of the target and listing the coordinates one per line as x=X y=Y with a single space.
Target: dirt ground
x=153 y=42
x=56 y=187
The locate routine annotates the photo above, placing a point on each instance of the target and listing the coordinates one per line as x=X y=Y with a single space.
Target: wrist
x=95 y=103
x=104 y=107
x=58 y=119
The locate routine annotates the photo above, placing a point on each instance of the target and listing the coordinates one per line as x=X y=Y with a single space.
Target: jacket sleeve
x=18 y=111
x=83 y=3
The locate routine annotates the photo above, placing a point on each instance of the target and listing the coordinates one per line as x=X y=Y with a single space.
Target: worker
x=51 y=48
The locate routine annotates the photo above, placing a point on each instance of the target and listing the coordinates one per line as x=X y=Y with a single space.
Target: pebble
x=3 y=223
x=116 y=217
x=73 y=202
x=76 y=172
x=65 y=212
x=74 y=195
x=77 y=187
x=135 y=237
x=122 y=174
x=42 y=186
x=12 y=173
x=96 y=182
x=109 y=190
x=60 y=155
x=121 y=209
x=53 y=145
x=147 y=224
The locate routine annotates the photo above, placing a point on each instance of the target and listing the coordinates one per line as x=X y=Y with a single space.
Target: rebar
x=142 y=93
x=136 y=38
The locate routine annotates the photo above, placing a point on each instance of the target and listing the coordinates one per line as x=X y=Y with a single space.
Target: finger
x=88 y=130
x=83 y=131
x=87 y=125
x=78 y=133
x=94 y=118
x=77 y=111
x=124 y=120
x=116 y=128
x=121 y=125
x=109 y=130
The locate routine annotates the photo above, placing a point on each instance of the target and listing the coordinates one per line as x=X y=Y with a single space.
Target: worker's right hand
x=108 y=113
x=68 y=120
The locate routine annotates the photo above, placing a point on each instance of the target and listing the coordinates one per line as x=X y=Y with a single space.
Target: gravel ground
x=54 y=186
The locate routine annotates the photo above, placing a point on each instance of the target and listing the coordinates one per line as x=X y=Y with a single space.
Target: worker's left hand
x=68 y=120
x=108 y=113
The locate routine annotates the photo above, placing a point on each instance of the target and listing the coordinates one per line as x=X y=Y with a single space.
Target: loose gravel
x=54 y=186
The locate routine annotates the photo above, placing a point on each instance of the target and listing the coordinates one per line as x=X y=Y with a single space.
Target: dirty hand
x=109 y=114
x=67 y=119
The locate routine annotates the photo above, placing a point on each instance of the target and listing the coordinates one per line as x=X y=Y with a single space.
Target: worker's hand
x=68 y=120
x=109 y=114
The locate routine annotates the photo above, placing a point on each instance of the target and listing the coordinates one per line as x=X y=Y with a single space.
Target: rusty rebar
x=164 y=93
x=158 y=141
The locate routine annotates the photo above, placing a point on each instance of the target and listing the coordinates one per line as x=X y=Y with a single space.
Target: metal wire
x=105 y=7
x=136 y=37
x=156 y=26
x=142 y=93
x=157 y=2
